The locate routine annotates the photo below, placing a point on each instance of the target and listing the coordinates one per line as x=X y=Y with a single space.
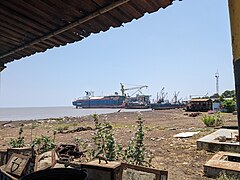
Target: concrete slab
x=212 y=142
x=226 y=162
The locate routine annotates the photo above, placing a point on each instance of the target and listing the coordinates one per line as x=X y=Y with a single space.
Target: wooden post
x=234 y=12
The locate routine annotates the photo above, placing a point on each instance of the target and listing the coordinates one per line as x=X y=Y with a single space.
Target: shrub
x=103 y=140
x=136 y=152
x=223 y=176
x=18 y=142
x=229 y=105
x=208 y=120
x=44 y=143
x=215 y=120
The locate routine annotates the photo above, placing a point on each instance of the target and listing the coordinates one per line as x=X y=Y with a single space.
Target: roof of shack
x=29 y=26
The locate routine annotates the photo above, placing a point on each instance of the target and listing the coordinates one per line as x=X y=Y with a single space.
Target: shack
x=202 y=105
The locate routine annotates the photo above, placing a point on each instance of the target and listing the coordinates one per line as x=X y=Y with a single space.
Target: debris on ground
x=68 y=152
x=195 y=114
x=185 y=134
x=52 y=165
x=79 y=129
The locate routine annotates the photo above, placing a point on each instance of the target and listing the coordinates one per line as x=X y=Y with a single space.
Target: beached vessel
x=138 y=102
x=91 y=101
x=166 y=105
x=163 y=104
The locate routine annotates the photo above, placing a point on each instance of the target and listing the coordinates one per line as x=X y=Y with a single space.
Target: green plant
x=213 y=120
x=104 y=143
x=19 y=142
x=44 y=143
x=81 y=143
x=33 y=126
x=223 y=176
x=103 y=140
x=228 y=94
x=139 y=146
x=229 y=105
x=136 y=152
x=62 y=128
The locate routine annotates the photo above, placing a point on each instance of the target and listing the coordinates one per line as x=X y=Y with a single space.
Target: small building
x=202 y=105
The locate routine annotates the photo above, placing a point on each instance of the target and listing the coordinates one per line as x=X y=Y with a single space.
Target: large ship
x=91 y=101
x=114 y=101
x=138 y=102
x=163 y=104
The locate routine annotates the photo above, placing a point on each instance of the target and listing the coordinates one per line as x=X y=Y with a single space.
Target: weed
x=104 y=143
x=223 y=176
x=62 y=128
x=81 y=143
x=19 y=142
x=208 y=120
x=103 y=139
x=212 y=121
x=44 y=143
x=136 y=153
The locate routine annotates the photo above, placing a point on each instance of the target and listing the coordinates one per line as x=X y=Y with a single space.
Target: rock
x=234 y=113
x=172 y=128
x=8 y=125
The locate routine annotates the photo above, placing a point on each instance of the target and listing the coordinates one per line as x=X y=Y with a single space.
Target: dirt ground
x=179 y=157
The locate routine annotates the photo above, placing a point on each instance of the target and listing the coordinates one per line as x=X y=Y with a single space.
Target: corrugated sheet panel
x=31 y=26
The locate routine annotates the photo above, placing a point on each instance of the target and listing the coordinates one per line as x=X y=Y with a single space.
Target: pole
x=234 y=12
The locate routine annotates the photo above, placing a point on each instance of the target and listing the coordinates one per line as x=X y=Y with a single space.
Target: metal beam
x=2 y=67
x=69 y=26
x=234 y=12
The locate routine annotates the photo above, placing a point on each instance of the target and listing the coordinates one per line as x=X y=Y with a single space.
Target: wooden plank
x=17 y=164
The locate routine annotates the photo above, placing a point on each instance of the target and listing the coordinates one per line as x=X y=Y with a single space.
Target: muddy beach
x=179 y=156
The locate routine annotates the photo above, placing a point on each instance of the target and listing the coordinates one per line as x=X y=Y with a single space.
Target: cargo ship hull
x=101 y=102
x=164 y=106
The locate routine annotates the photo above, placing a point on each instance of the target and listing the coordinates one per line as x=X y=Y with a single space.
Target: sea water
x=32 y=113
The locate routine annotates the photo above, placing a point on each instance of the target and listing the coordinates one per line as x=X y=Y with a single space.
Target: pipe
x=69 y=26
x=234 y=12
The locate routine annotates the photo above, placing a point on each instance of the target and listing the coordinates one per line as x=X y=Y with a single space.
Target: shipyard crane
x=137 y=88
x=174 y=99
x=162 y=95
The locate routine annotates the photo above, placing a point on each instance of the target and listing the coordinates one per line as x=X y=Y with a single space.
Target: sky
x=179 y=48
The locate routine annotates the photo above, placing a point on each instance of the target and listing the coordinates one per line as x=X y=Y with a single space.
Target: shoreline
x=15 y=114
x=159 y=128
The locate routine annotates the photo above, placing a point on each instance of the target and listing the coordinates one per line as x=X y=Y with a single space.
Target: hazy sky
x=179 y=48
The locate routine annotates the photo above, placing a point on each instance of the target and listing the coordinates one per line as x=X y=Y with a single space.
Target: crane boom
x=139 y=88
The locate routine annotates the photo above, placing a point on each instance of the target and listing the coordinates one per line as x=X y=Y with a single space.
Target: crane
x=138 y=89
x=174 y=99
x=162 y=95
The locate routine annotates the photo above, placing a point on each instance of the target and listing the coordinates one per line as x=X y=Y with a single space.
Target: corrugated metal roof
x=200 y=100
x=31 y=26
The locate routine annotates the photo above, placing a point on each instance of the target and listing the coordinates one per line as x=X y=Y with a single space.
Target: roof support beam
x=2 y=67
x=69 y=26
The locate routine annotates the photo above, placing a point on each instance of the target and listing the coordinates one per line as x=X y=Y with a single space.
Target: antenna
x=217 y=82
